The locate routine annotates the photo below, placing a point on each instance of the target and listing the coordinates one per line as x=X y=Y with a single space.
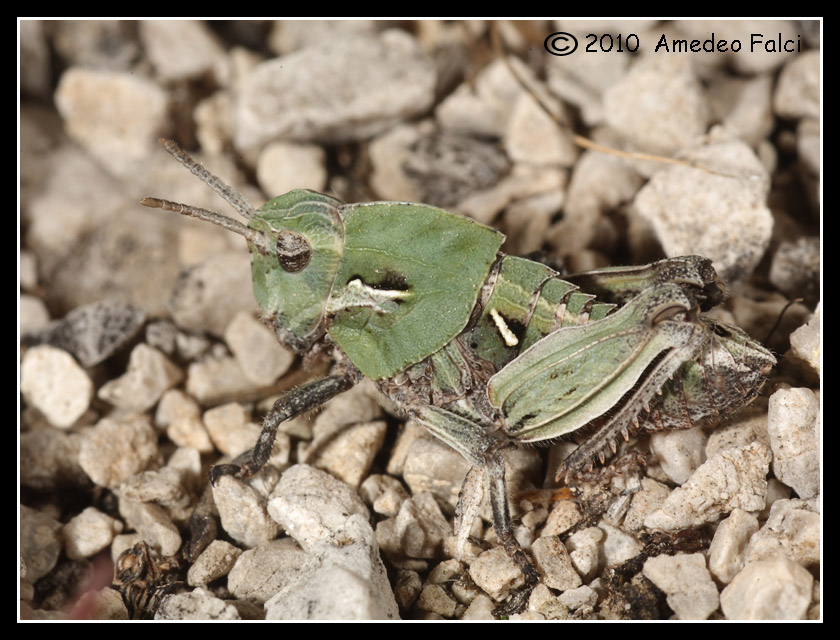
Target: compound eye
x=293 y=251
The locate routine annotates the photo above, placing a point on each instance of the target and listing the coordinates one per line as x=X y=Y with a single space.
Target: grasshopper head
x=293 y=275
x=296 y=243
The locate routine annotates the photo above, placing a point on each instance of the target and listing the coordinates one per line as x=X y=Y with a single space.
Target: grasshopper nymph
x=481 y=348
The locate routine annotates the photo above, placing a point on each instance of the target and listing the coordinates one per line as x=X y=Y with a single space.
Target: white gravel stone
x=180 y=415
x=149 y=374
x=215 y=377
x=659 y=105
x=533 y=137
x=552 y=560
x=618 y=546
x=434 y=598
x=744 y=106
x=750 y=425
x=496 y=573
x=481 y=608
x=733 y=479
x=585 y=550
x=33 y=314
x=346 y=437
x=793 y=424
x=260 y=355
x=312 y=505
x=651 y=496
x=690 y=591
x=96 y=104
x=798 y=89
x=482 y=108
x=431 y=466
x=792 y=530
x=88 y=533
x=584 y=596
x=214 y=562
x=180 y=49
x=599 y=183
x=242 y=511
x=563 y=516
x=389 y=153
x=40 y=543
x=523 y=181
x=421 y=527
x=726 y=553
x=283 y=166
x=384 y=493
x=777 y=589
x=55 y=384
x=114 y=451
x=806 y=345
x=679 y=452
x=153 y=523
x=196 y=605
x=348 y=581
x=373 y=83
x=349 y=453
x=582 y=82
x=698 y=212
x=261 y=572
x=290 y=35
x=208 y=295
x=164 y=486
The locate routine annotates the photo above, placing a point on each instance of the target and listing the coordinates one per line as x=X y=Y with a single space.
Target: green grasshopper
x=481 y=348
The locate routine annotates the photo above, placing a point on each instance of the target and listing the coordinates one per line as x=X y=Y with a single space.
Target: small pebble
x=793 y=424
x=311 y=505
x=687 y=583
x=777 y=589
x=153 y=523
x=88 y=533
x=214 y=562
x=679 y=452
x=792 y=530
x=553 y=562
x=181 y=49
x=734 y=478
x=495 y=573
x=726 y=553
x=196 y=605
x=53 y=382
x=40 y=543
x=283 y=166
x=242 y=511
x=96 y=104
x=618 y=546
x=260 y=355
x=261 y=572
x=149 y=374
x=585 y=550
x=374 y=83
x=115 y=450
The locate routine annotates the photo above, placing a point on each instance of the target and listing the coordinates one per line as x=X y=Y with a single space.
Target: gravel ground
x=142 y=362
